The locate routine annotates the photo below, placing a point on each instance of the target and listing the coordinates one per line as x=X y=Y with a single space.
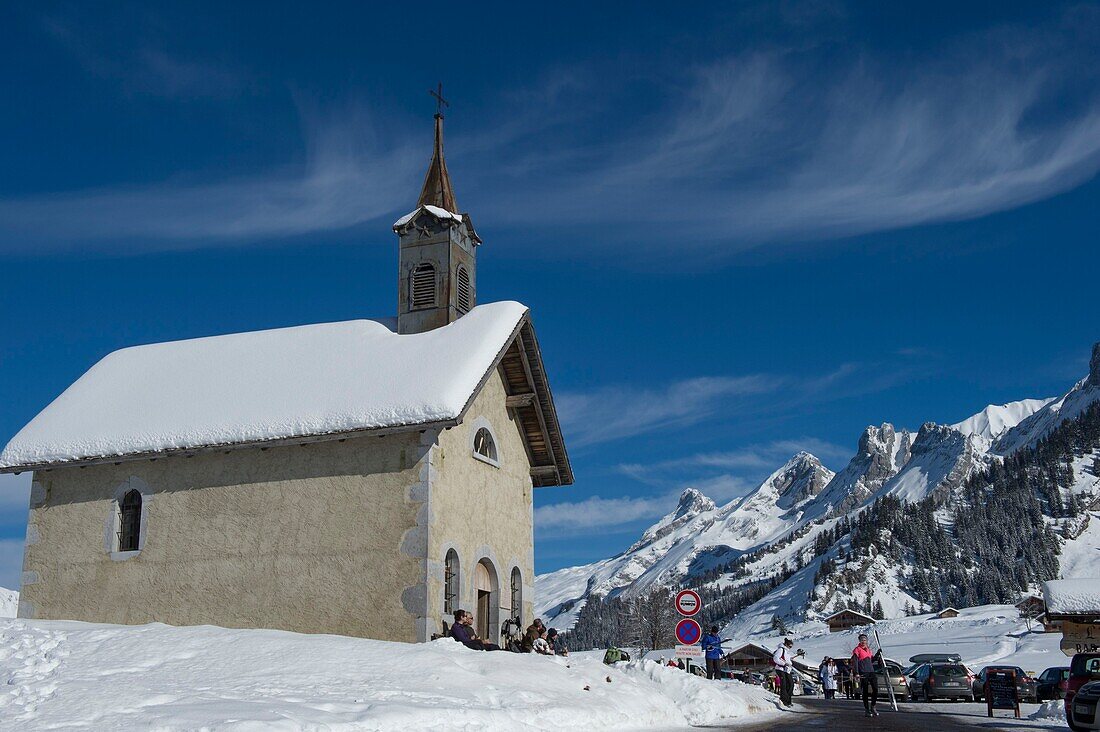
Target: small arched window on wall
x=129 y=522
x=517 y=596
x=450 y=582
x=422 y=286
x=484 y=445
x=464 y=295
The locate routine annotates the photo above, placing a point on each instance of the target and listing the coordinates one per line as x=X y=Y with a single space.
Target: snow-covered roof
x=439 y=213
x=246 y=388
x=1079 y=596
x=847 y=610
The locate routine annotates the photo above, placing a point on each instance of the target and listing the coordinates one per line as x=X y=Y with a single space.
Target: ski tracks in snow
x=29 y=660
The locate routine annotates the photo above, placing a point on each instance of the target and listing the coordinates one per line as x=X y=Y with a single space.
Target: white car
x=1082 y=712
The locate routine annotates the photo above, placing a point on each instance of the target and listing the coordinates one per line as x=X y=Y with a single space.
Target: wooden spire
x=437 y=190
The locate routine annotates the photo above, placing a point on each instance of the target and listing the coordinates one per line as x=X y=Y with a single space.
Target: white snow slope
x=266 y=385
x=9 y=603
x=802 y=499
x=99 y=677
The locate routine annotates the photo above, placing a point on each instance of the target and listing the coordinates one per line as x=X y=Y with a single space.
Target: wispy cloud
x=595 y=512
x=614 y=413
x=795 y=144
x=749 y=459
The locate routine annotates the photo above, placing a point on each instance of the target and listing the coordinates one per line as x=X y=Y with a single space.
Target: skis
x=886 y=672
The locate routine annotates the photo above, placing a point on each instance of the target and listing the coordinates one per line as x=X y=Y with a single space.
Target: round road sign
x=688 y=602
x=688 y=632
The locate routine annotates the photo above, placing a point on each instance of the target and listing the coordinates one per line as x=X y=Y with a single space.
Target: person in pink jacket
x=863 y=665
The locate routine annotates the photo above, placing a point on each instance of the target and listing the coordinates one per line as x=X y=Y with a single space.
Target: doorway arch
x=487 y=600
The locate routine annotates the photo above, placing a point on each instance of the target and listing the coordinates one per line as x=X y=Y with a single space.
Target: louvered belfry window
x=463 y=303
x=129 y=525
x=422 y=286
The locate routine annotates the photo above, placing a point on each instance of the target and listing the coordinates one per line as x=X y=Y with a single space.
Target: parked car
x=1052 y=683
x=893 y=675
x=1081 y=714
x=1027 y=689
x=1084 y=668
x=941 y=681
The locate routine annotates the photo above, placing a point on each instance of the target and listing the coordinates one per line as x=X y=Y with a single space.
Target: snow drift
x=82 y=675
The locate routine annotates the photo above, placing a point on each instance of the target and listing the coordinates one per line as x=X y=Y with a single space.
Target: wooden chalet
x=749 y=657
x=947 y=612
x=847 y=618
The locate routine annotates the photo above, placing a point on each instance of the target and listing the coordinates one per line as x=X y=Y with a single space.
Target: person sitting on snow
x=557 y=645
x=463 y=632
x=534 y=630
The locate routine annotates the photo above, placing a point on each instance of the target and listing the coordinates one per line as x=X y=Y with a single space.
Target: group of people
x=536 y=639
x=861 y=665
x=861 y=669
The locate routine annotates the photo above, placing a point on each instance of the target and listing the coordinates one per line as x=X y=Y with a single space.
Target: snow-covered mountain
x=770 y=534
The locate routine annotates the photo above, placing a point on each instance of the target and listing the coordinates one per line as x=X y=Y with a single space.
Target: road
x=812 y=713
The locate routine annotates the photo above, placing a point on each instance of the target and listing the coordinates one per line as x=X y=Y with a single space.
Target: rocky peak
x=802 y=477
x=1094 y=365
x=692 y=501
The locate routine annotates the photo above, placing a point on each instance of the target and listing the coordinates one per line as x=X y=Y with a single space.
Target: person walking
x=712 y=652
x=784 y=669
x=863 y=665
x=828 y=672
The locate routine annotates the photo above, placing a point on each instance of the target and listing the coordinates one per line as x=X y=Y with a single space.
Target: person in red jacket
x=863 y=666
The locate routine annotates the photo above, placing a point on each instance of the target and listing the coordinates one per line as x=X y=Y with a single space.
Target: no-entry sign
x=688 y=602
x=688 y=632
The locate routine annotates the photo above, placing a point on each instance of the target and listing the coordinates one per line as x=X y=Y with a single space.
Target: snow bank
x=68 y=674
x=1054 y=709
x=265 y=385
x=1071 y=596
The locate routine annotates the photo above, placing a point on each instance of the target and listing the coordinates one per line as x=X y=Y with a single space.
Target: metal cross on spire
x=440 y=102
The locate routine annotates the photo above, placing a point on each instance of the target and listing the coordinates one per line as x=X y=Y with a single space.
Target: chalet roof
x=1070 y=598
x=947 y=609
x=293 y=385
x=751 y=647
x=853 y=612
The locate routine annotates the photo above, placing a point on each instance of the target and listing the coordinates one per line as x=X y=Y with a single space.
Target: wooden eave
x=532 y=405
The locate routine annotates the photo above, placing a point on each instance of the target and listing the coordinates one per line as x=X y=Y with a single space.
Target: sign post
x=1000 y=690
x=688 y=631
x=688 y=603
x=1080 y=637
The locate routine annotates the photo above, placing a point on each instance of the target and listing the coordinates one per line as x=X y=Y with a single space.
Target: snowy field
x=105 y=677
x=980 y=635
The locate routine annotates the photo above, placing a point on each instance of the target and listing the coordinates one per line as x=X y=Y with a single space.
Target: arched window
x=464 y=298
x=450 y=582
x=484 y=444
x=517 y=596
x=129 y=523
x=422 y=286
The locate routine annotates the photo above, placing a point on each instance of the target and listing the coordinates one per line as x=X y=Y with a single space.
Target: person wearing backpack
x=712 y=652
x=612 y=655
x=783 y=661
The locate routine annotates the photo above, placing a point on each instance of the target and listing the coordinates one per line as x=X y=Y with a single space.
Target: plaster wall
x=481 y=510
x=324 y=538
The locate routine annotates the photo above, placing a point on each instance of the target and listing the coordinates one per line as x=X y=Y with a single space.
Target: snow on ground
x=980 y=635
x=87 y=676
x=265 y=385
x=9 y=603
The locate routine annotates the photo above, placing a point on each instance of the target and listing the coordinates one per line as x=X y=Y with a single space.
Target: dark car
x=941 y=681
x=1052 y=683
x=1026 y=687
x=1083 y=668
x=1081 y=715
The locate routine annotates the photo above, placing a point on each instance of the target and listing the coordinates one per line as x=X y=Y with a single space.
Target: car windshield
x=949 y=670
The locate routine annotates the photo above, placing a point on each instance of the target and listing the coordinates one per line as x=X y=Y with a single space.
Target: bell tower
x=437 y=264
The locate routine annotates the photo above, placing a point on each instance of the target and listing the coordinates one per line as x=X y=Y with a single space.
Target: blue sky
x=742 y=230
